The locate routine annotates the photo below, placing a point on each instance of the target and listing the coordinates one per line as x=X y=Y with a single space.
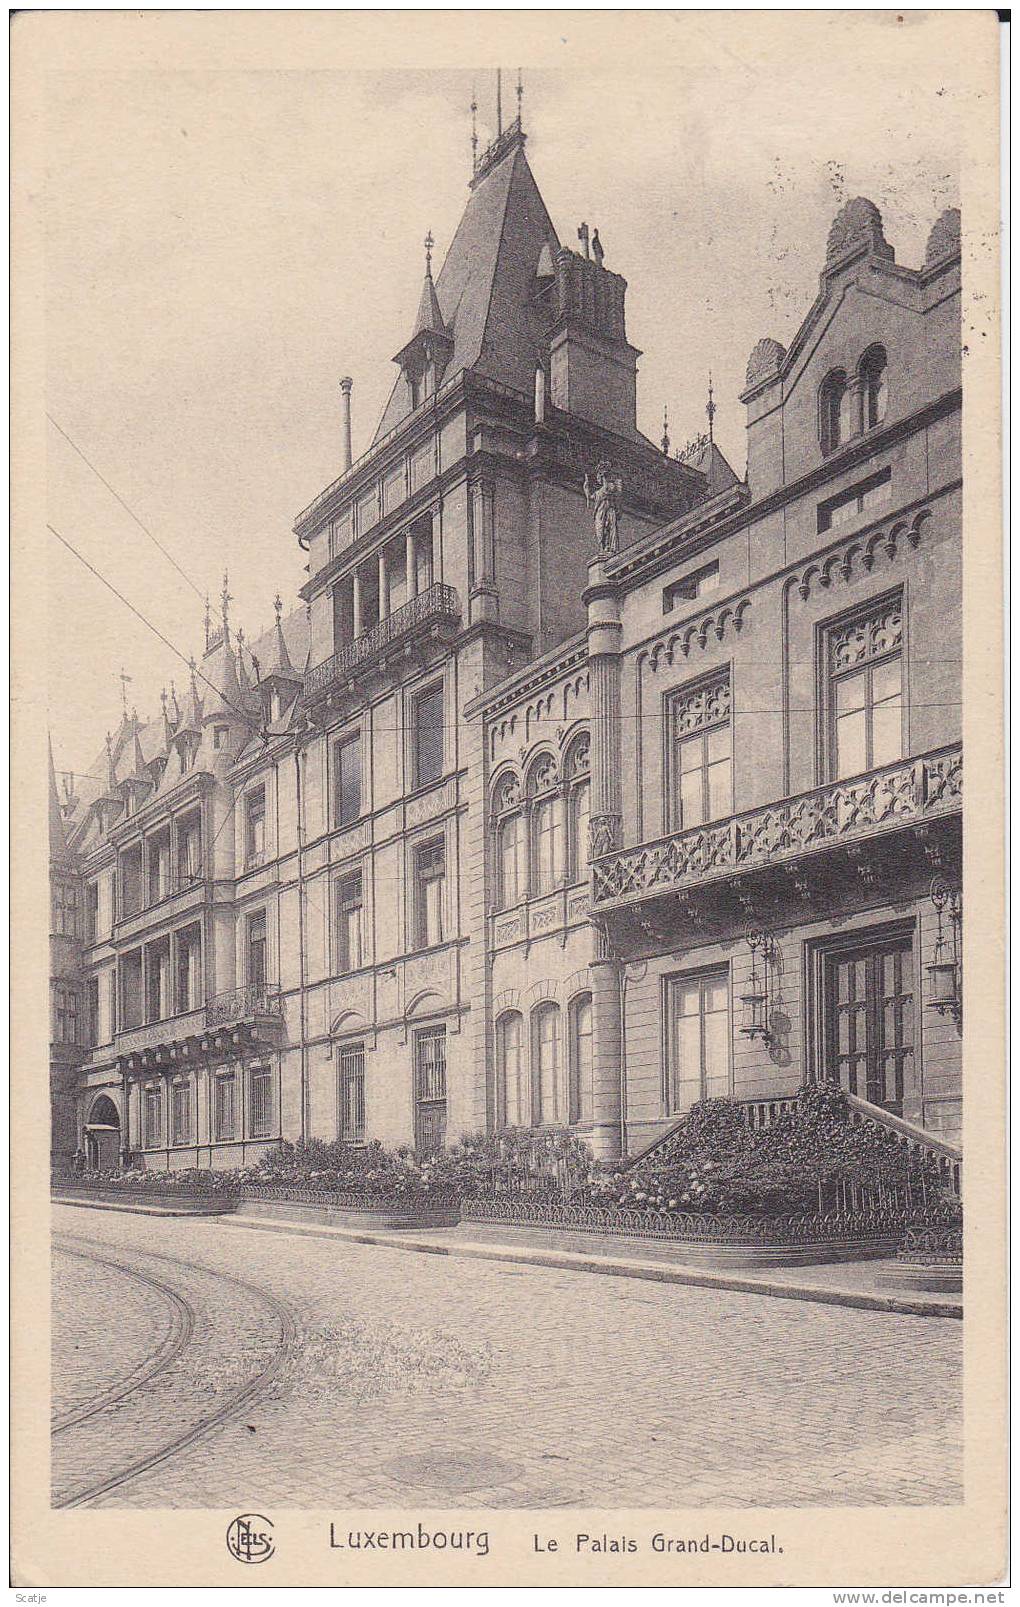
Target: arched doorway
x=102 y=1135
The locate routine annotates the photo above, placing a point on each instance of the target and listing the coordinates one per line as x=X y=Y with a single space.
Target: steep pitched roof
x=483 y=294
x=58 y=838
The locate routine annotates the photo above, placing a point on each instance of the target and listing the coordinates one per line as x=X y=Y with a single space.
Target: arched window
x=510 y=1110
x=509 y=836
x=578 y=807
x=834 y=425
x=581 y=1077
x=546 y=826
x=874 y=390
x=545 y=1064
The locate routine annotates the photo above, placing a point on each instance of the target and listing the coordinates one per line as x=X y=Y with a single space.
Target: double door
x=869 y=998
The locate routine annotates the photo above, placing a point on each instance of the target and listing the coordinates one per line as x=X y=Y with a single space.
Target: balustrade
x=897 y=795
x=439 y=602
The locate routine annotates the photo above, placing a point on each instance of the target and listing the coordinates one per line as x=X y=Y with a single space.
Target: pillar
x=410 y=567
x=484 y=603
x=356 y=603
x=605 y=834
x=345 y=420
x=384 y=590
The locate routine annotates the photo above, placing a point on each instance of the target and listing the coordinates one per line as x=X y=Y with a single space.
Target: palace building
x=468 y=840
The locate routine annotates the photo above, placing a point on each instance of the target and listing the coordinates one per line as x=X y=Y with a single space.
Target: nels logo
x=250 y=1538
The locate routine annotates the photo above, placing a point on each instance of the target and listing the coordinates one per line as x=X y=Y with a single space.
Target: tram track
x=170 y=1349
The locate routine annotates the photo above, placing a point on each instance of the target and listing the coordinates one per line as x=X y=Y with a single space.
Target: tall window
x=869 y=1019
x=430 y=1089
x=348 y=779
x=699 y=1040
x=578 y=808
x=260 y=1101
x=180 y=1112
x=65 y=1013
x=255 y=827
x=349 y=923
x=546 y=826
x=874 y=388
x=351 y=1092
x=224 y=1113
x=257 y=949
x=152 y=1117
x=835 y=402
x=189 y=957
x=158 y=852
x=581 y=1064
x=509 y=842
x=430 y=887
x=866 y=691
x=92 y=1008
x=132 y=1002
x=510 y=1109
x=545 y=1027
x=189 y=850
x=701 y=764
x=65 y=909
x=428 y=736
x=157 y=980
x=91 y=911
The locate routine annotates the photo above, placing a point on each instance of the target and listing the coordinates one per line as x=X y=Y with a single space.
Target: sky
x=221 y=246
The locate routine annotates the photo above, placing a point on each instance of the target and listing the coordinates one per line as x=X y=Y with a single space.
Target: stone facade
x=451 y=846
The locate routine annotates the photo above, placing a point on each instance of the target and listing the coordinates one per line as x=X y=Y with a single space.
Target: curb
x=611 y=1266
x=136 y=1210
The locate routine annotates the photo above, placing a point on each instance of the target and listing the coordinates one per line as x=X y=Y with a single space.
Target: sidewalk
x=849 y=1283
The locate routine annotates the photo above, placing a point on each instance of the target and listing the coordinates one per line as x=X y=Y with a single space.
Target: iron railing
x=723 y=1228
x=438 y=603
x=243 y=1004
x=897 y=795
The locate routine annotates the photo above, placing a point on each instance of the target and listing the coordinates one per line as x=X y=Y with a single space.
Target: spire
x=710 y=409
x=111 y=769
x=191 y=714
x=474 y=132
x=208 y=621
x=279 y=664
x=520 y=93
x=665 y=430
x=172 y=710
x=430 y=317
x=243 y=678
x=58 y=839
x=225 y=602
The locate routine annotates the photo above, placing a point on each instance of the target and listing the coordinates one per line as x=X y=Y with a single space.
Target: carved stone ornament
x=603 y=835
x=765 y=360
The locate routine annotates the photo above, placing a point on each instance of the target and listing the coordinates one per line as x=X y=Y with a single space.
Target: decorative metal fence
x=722 y=1229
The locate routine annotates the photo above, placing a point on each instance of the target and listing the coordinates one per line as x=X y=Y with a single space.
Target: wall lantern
x=756 y=998
x=945 y=973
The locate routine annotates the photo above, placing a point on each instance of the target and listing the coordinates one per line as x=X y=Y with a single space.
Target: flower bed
x=346 y=1207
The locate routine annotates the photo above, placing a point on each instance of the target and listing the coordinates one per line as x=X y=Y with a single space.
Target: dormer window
x=874 y=389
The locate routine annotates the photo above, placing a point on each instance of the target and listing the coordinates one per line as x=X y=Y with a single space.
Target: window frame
x=546 y=1010
x=221 y=1080
x=263 y=1070
x=421 y=879
x=347 y=1077
x=341 y=948
x=435 y=689
x=254 y=856
x=251 y=919
x=501 y=1101
x=671 y=984
x=672 y=699
x=576 y=1116
x=349 y=739
x=181 y=1085
x=866 y=374
x=827 y=679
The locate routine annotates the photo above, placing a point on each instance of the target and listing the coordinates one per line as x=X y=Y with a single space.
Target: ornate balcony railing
x=898 y=795
x=243 y=1004
x=439 y=603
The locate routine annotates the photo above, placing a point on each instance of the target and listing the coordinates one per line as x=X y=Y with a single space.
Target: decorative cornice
x=568 y=656
x=715 y=623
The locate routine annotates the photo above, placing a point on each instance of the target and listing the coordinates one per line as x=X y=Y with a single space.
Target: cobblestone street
x=449 y=1383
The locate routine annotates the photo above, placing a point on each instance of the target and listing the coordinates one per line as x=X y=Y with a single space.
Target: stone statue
x=604 y=501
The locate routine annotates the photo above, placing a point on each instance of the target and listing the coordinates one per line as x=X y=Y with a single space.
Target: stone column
x=605 y=834
x=356 y=603
x=384 y=590
x=483 y=602
x=345 y=417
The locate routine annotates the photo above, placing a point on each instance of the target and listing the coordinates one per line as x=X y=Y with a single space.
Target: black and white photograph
x=499 y=690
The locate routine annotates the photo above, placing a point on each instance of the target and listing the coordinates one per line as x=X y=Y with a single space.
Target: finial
x=596 y=248
x=278 y=607
x=665 y=431
x=474 y=131
x=225 y=601
x=582 y=235
x=499 y=101
x=124 y=679
x=429 y=243
x=208 y=619
x=520 y=93
x=162 y=699
x=710 y=409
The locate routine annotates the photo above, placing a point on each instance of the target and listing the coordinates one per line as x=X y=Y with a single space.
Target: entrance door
x=102 y=1135
x=870 y=1020
x=430 y=1090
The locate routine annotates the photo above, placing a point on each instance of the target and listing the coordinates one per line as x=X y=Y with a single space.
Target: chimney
x=345 y=415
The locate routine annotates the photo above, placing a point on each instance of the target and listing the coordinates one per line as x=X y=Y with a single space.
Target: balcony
x=866 y=809
x=245 y=1017
x=430 y=613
